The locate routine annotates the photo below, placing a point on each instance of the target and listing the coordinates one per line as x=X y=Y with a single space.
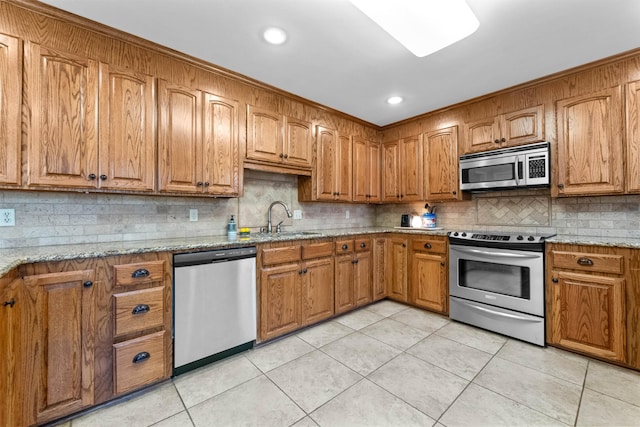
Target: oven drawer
x=584 y=261
x=138 y=310
x=139 y=361
x=429 y=245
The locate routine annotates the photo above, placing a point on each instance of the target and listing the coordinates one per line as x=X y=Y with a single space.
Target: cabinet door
x=632 y=126
x=441 y=164
x=482 y=135
x=326 y=146
x=344 y=166
x=360 y=170
x=587 y=314
x=363 y=286
x=10 y=104
x=179 y=138
x=12 y=386
x=411 y=169
x=220 y=153
x=373 y=153
x=317 y=290
x=298 y=142
x=380 y=253
x=344 y=283
x=390 y=172
x=429 y=282
x=61 y=330
x=62 y=93
x=523 y=126
x=264 y=135
x=127 y=143
x=280 y=300
x=589 y=159
x=396 y=269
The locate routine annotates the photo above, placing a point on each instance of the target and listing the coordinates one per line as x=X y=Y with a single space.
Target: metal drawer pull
x=427 y=245
x=140 y=308
x=363 y=245
x=585 y=261
x=141 y=357
x=141 y=272
x=9 y=303
x=344 y=247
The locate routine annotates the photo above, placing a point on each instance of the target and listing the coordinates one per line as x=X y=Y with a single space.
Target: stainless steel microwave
x=516 y=167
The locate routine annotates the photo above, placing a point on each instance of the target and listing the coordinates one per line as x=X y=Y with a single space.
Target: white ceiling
x=336 y=57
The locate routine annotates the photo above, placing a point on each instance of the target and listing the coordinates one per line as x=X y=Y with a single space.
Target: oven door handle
x=498 y=313
x=492 y=254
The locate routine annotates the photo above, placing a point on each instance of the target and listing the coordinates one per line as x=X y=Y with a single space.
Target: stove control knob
x=519 y=238
x=464 y=234
x=531 y=238
x=455 y=234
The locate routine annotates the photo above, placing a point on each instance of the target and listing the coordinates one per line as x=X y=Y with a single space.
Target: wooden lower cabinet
x=587 y=306
x=12 y=356
x=353 y=278
x=60 y=309
x=396 y=274
x=429 y=274
x=296 y=286
x=379 y=253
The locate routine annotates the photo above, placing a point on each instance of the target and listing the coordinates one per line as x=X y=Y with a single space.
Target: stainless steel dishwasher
x=214 y=306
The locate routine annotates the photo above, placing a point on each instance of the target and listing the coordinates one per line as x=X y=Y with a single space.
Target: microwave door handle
x=517 y=169
x=492 y=254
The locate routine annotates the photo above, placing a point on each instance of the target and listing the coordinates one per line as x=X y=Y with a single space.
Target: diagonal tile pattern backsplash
x=521 y=211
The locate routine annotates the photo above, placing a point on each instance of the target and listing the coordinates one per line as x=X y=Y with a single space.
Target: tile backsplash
x=50 y=218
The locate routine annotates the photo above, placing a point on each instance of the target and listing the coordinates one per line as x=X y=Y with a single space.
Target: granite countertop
x=621 y=242
x=11 y=258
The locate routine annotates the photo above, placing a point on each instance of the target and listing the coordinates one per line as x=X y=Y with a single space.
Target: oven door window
x=511 y=280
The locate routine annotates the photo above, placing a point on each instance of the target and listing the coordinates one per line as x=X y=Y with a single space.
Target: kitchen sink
x=293 y=234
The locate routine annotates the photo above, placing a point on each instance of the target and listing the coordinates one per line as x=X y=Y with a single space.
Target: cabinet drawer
x=138 y=310
x=362 y=245
x=429 y=245
x=272 y=256
x=344 y=246
x=585 y=261
x=141 y=272
x=138 y=362
x=317 y=250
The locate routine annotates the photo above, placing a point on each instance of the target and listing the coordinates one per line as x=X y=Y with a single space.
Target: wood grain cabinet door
x=589 y=159
x=317 y=290
x=10 y=102
x=221 y=151
x=523 y=126
x=13 y=351
x=366 y=170
x=390 y=172
x=411 y=169
x=588 y=314
x=280 y=310
x=61 y=330
x=429 y=282
x=362 y=278
x=298 y=142
x=127 y=140
x=326 y=146
x=179 y=138
x=379 y=256
x=62 y=99
x=265 y=137
x=396 y=269
x=344 y=283
x=632 y=126
x=482 y=135
x=440 y=156
x=344 y=167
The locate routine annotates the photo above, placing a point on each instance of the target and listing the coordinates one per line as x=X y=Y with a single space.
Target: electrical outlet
x=7 y=217
x=346 y=214
x=297 y=214
x=193 y=214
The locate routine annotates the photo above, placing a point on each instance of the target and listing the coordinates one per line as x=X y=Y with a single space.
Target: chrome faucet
x=286 y=208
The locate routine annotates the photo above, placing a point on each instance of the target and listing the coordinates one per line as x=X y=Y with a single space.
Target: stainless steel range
x=496 y=282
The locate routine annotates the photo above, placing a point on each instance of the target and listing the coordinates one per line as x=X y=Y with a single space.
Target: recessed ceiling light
x=393 y=100
x=274 y=35
x=423 y=27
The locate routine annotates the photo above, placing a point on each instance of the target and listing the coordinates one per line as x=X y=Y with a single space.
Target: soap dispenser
x=232 y=233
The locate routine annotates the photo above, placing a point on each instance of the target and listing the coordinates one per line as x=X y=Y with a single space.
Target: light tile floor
x=389 y=365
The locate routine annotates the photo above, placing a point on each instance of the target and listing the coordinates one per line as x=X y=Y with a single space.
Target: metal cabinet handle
x=344 y=247
x=9 y=303
x=427 y=245
x=454 y=192
x=404 y=245
x=554 y=280
x=286 y=156
x=199 y=183
x=442 y=263
x=139 y=273
x=561 y=186
x=299 y=272
x=88 y=284
x=140 y=308
x=206 y=183
x=304 y=271
x=141 y=357
x=92 y=176
x=503 y=139
x=585 y=261
x=103 y=177
x=363 y=245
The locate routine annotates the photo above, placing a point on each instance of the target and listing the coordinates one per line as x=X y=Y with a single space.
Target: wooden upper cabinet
x=127 y=143
x=62 y=332
x=276 y=139
x=10 y=103
x=197 y=142
x=589 y=159
x=440 y=154
x=505 y=130
x=366 y=170
x=632 y=126
x=333 y=171
x=344 y=169
x=62 y=99
x=221 y=154
x=402 y=173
